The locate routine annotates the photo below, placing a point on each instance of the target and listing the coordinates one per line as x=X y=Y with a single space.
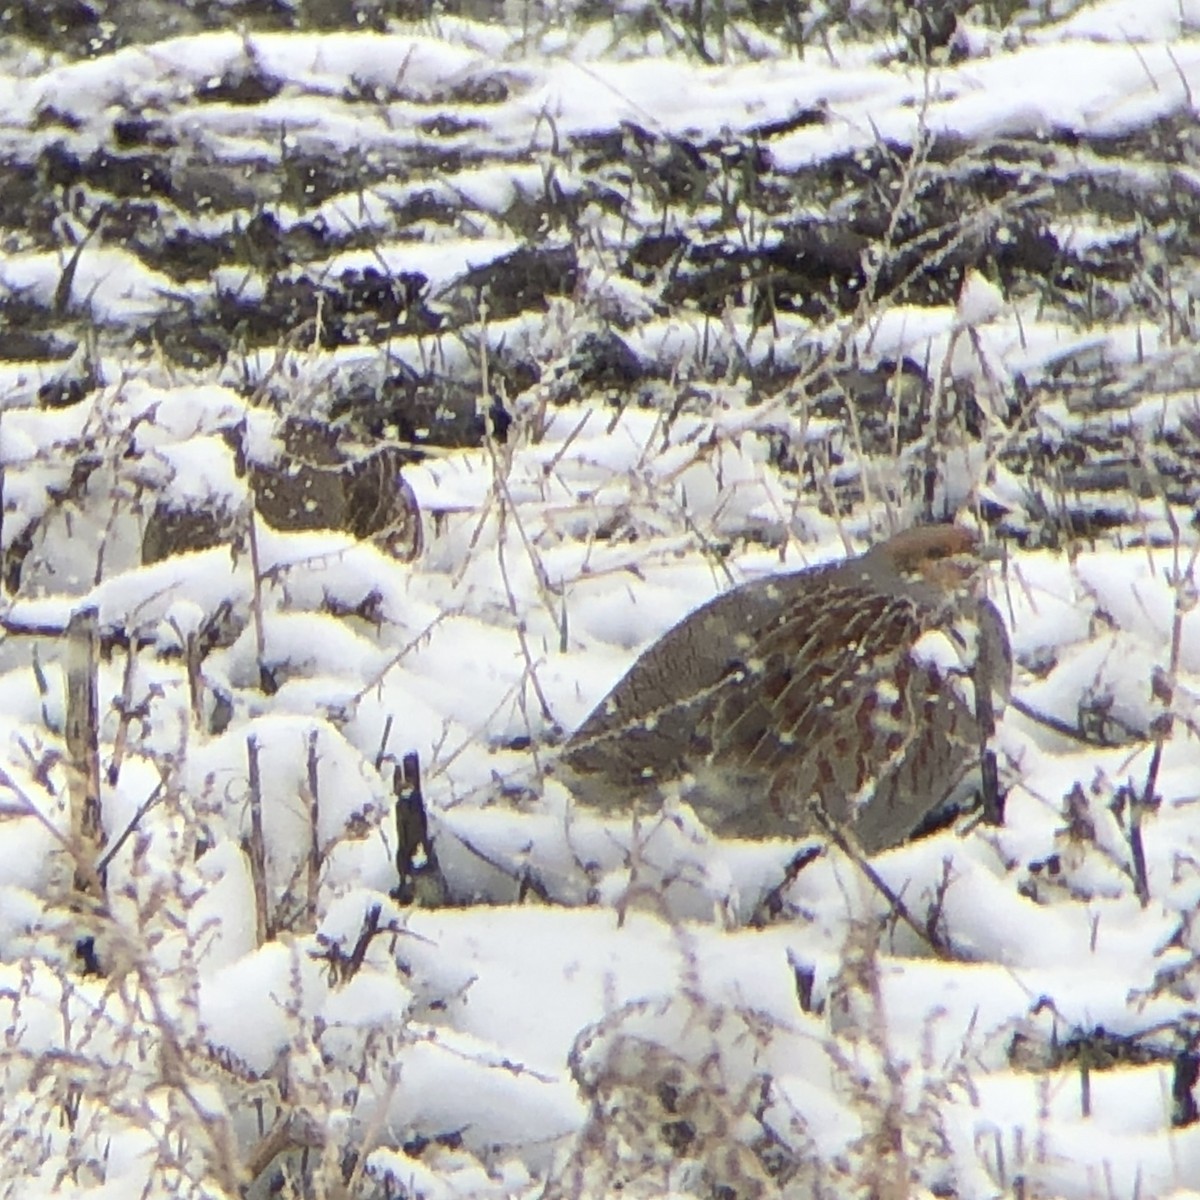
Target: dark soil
x=733 y=233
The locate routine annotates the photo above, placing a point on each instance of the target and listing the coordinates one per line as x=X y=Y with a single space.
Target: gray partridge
x=839 y=694
x=314 y=485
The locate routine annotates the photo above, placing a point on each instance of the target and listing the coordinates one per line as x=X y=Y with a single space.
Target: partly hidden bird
x=853 y=697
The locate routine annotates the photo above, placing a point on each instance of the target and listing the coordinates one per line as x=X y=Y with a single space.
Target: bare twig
x=314 y=817
x=125 y=715
x=265 y=679
x=844 y=842
x=384 y=738
x=256 y=849
x=114 y=848
x=83 y=740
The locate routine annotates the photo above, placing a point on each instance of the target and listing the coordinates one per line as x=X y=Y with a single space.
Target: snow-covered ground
x=590 y=1007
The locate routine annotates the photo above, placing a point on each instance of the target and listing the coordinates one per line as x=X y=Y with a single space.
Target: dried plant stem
x=842 y=840
x=260 y=638
x=114 y=847
x=314 y=816
x=4 y=588
x=384 y=738
x=420 y=877
x=125 y=715
x=83 y=743
x=256 y=849
x=983 y=671
x=195 y=678
x=1183 y=583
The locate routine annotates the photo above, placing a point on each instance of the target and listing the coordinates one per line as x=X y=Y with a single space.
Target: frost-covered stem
x=195 y=678
x=256 y=849
x=30 y=809
x=83 y=740
x=1161 y=727
x=773 y=903
x=114 y=848
x=484 y=398
x=882 y=1163
x=860 y=448
x=372 y=1135
x=845 y=841
x=421 y=637
x=66 y=281
x=260 y=637
x=314 y=815
x=277 y=1140
x=114 y=510
x=1184 y=1076
x=983 y=672
x=1137 y=848
x=501 y=460
x=935 y=429
x=384 y=738
x=1183 y=582
x=522 y=640
x=420 y=879
x=4 y=589
x=124 y=716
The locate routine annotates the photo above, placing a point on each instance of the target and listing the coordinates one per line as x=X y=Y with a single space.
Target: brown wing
x=826 y=705
x=380 y=504
x=791 y=694
x=650 y=726
x=834 y=708
x=807 y=683
x=843 y=712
